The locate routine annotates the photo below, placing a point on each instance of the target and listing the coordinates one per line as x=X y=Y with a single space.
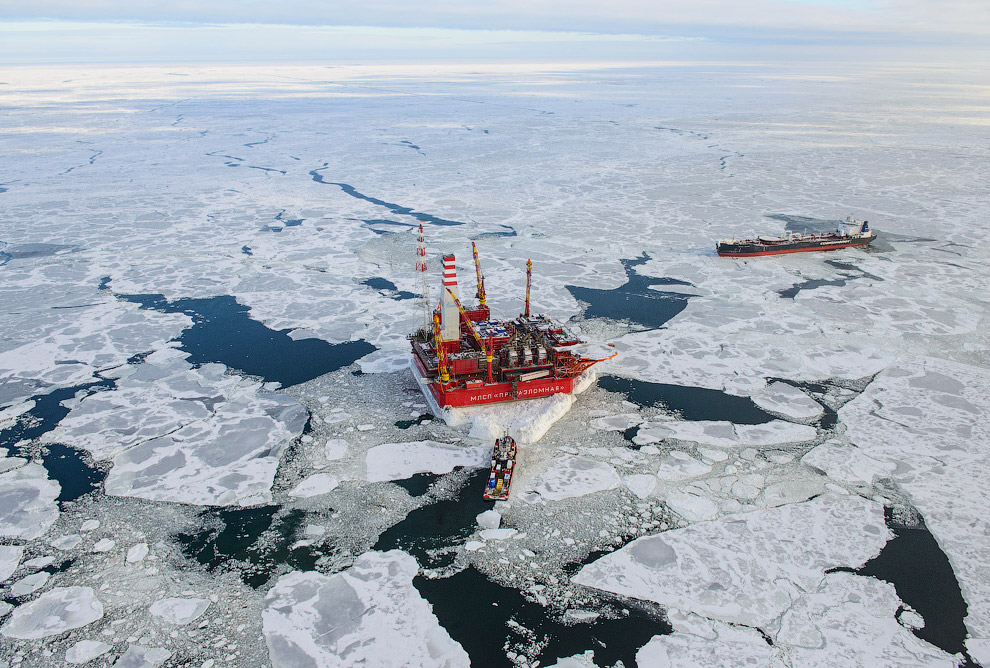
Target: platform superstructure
x=465 y=357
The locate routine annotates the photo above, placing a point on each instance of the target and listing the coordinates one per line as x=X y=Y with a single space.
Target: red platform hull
x=496 y=392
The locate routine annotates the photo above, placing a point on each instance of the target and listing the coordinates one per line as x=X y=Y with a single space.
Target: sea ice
x=698 y=642
x=725 y=434
x=137 y=553
x=27 y=502
x=139 y=656
x=54 y=612
x=179 y=610
x=677 y=465
x=66 y=542
x=183 y=434
x=747 y=568
x=640 y=484
x=397 y=461
x=692 y=507
x=29 y=584
x=314 y=485
x=334 y=449
x=85 y=651
x=586 y=660
x=10 y=557
x=490 y=519
x=104 y=545
x=571 y=476
x=368 y=614
x=927 y=418
x=855 y=619
x=788 y=402
x=847 y=463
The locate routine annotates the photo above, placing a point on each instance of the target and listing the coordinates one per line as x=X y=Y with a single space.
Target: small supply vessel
x=852 y=233
x=503 y=465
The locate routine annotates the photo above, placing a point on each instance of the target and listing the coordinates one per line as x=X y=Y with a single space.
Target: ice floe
x=747 y=569
x=314 y=485
x=928 y=419
x=725 y=434
x=179 y=610
x=29 y=584
x=54 y=612
x=140 y=656
x=368 y=614
x=697 y=641
x=397 y=461
x=490 y=519
x=788 y=402
x=27 y=502
x=183 y=434
x=847 y=463
x=85 y=651
x=10 y=557
x=571 y=476
x=137 y=553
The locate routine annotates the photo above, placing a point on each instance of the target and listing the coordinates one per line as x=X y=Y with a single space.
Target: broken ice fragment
x=85 y=651
x=369 y=614
x=54 y=612
x=179 y=610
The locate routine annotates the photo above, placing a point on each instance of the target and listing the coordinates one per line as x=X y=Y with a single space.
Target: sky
x=88 y=30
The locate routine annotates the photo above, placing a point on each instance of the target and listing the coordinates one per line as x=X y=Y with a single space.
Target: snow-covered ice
x=29 y=584
x=10 y=557
x=490 y=519
x=183 y=434
x=928 y=419
x=54 y=612
x=137 y=553
x=746 y=569
x=27 y=502
x=725 y=434
x=140 y=656
x=789 y=402
x=368 y=614
x=397 y=461
x=571 y=476
x=85 y=651
x=179 y=610
x=697 y=641
x=678 y=465
x=314 y=485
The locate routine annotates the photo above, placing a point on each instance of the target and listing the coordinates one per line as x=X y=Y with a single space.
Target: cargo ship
x=466 y=358
x=851 y=233
x=503 y=461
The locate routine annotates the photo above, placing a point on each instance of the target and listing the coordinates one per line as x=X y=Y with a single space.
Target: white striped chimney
x=450 y=317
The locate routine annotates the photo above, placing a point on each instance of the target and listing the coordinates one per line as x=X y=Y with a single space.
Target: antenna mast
x=529 y=280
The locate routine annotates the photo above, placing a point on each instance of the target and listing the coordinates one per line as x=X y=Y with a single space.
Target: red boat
x=503 y=461
x=466 y=358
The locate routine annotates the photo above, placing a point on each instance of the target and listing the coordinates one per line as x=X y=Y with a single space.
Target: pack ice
x=369 y=614
x=747 y=568
x=926 y=419
x=54 y=612
x=183 y=434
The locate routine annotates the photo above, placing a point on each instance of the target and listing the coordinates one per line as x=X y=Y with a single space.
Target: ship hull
x=494 y=392
x=758 y=249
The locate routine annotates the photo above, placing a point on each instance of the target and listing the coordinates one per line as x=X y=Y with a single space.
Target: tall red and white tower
x=450 y=318
x=424 y=281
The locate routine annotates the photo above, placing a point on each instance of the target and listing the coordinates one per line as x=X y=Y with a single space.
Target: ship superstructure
x=500 y=475
x=465 y=357
x=852 y=233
